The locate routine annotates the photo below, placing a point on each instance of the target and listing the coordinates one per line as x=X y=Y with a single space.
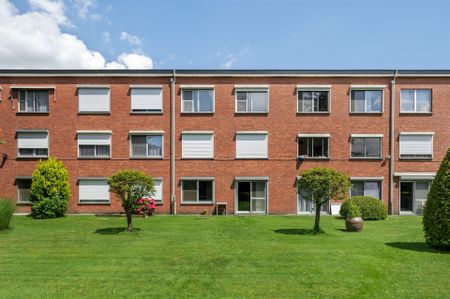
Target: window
x=366 y=101
x=93 y=191
x=415 y=100
x=416 y=145
x=197 y=100
x=365 y=147
x=33 y=100
x=313 y=147
x=93 y=100
x=32 y=144
x=307 y=205
x=147 y=146
x=252 y=101
x=310 y=101
x=251 y=145
x=413 y=196
x=197 y=145
x=366 y=188
x=23 y=190
x=197 y=191
x=146 y=100
x=157 y=195
x=251 y=196
x=94 y=145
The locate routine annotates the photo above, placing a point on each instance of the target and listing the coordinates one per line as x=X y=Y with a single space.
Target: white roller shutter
x=251 y=146
x=146 y=99
x=197 y=145
x=93 y=99
x=94 y=138
x=416 y=145
x=93 y=190
x=32 y=140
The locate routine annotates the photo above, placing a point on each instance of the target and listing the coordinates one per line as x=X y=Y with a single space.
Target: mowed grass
x=211 y=257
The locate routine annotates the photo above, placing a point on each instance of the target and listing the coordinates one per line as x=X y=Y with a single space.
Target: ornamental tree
x=436 y=213
x=323 y=184
x=130 y=186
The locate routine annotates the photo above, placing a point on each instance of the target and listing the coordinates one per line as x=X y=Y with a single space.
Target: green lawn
x=234 y=257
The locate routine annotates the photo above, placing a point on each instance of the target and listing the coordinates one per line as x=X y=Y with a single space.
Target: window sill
x=146 y=112
x=250 y=113
x=365 y=113
x=313 y=113
x=204 y=112
x=313 y=158
x=23 y=113
x=146 y=158
x=94 y=203
x=29 y=203
x=251 y=158
x=93 y=158
x=32 y=158
x=417 y=113
x=366 y=158
x=209 y=203
x=197 y=158
x=415 y=159
x=94 y=113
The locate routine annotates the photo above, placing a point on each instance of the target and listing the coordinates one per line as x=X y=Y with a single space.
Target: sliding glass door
x=251 y=196
x=413 y=196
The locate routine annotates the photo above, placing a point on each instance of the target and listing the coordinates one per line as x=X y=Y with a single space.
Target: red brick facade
x=282 y=122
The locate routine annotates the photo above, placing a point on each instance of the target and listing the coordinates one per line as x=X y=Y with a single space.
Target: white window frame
x=80 y=202
x=197 y=88
x=146 y=133
x=197 y=179
x=19 y=190
x=415 y=101
x=183 y=154
x=34 y=156
x=418 y=134
x=413 y=181
x=327 y=136
x=251 y=180
x=146 y=87
x=251 y=133
x=94 y=87
x=26 y=90
x=94 y=157
x=250 y=88
x=366 y=88
x=159 y=201
x=314 y=88
x=365 y=136
x=367 y=179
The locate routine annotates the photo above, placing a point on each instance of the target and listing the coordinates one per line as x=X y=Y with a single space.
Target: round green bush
x=371 y=208
x=7 y=209
x=50 y=189
x=436 y=213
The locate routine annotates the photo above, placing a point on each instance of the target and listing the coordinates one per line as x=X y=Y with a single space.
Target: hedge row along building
x=226 y=138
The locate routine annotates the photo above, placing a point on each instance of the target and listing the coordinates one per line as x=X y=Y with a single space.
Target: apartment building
x=226 y=138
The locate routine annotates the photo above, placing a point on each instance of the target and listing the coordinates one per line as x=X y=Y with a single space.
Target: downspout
x=173 y=202
x=392 y=146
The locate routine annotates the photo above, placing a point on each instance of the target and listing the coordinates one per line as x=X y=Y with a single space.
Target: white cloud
x=132 y=39
x=84 y=8
x=34 y=39
x=229 y=62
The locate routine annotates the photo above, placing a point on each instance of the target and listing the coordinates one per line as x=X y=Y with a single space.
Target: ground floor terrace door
x=251 y=197
x=413 y=196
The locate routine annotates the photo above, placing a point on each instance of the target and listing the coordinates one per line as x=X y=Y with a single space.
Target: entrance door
x=406 y=197
x=251 y=196
x=413 y=196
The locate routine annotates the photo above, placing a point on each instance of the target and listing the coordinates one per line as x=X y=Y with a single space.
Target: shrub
x=353 y=210
x=436 y=214
x=371 y=208
x=145 y=206
x=7 y=208
x=50 y=189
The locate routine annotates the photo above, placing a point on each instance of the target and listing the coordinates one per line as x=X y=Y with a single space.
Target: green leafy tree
x=130 y=186
x=50 y=189
x=323 y=184
x=436 y=214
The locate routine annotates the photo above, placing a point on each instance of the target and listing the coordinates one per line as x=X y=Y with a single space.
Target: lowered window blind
x=93 y=191
x=94 y=139
x=32 y=140
x=146 y=99
x=416 y=146
x=93 y=99
x=197 y=145
x=251 y=146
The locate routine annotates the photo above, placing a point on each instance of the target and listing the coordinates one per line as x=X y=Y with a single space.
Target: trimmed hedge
x=7 y=209
x=371 y=208
x=436 y=213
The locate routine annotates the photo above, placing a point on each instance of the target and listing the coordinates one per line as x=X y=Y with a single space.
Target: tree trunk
x=129 y=224
x=317 y=220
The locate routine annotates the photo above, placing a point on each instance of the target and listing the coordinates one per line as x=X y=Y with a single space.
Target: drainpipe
x=173 y=201
x=392 y=146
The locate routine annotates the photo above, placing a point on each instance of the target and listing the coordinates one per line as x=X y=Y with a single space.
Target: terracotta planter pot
x=354 y=224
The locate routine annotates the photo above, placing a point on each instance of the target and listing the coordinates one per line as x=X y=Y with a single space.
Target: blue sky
x=287 y=34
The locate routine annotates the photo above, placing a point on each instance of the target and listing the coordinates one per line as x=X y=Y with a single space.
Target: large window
x=366 y=188
x=146 y=100
x=365 y=147
x=157 y=195
x=33 y=100
x=251 y=195
x=252 y=101
x=197 y=191
x=415 y=100
x=32 y=144
x=313 y=146
x=93 y=100
x=93 y=191
x=416 y=145
x=197 y=100
x=251 y=145
x=307 y=205
x=313 y=101
x=197 y=145
x=23 y=190
x=94 y=145
x=147 y=146
x=366 y=101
